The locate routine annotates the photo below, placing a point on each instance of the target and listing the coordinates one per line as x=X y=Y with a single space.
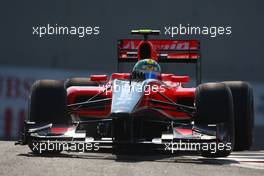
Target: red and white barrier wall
x=14 y=89
x=13 y=104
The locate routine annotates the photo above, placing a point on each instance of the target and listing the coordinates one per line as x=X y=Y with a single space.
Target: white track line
x=247 y=159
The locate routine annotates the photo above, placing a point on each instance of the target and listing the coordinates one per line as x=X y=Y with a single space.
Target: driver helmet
x=148 y=68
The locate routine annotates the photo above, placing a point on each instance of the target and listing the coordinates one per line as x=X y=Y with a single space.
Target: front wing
x=69 y=138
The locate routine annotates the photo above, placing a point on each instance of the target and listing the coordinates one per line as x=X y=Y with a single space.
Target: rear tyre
x=48 y=104
x=214 y=105
x=79 y=82
x=244 y=113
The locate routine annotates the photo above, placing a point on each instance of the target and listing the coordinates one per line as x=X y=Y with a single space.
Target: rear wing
x=178 y=51
x=181 y=51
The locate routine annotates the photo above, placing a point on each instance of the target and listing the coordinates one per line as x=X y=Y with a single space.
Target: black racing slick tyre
x=47 y=104
x=214 y=105
x=79 y=82
x=244 y=113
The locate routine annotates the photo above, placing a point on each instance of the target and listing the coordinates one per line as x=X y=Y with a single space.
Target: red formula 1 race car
x=143 y=110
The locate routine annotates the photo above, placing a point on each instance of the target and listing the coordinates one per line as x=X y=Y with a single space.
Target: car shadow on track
x=176 y=158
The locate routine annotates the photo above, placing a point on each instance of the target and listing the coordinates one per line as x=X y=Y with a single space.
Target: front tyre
x=214 y=105
x=47 y=104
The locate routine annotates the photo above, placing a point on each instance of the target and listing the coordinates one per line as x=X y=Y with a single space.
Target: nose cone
x=125 y=97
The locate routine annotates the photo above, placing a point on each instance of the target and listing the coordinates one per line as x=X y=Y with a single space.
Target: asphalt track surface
x=18 y=160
